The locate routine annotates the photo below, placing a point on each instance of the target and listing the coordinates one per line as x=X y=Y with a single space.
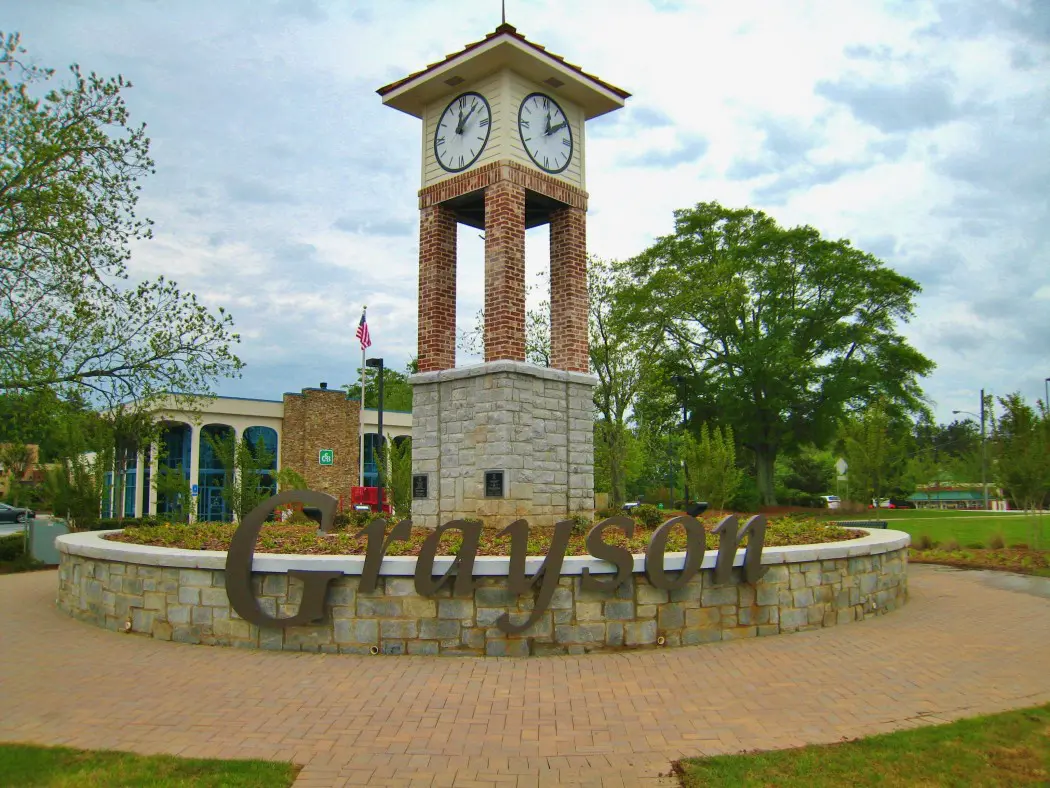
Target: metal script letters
x=542 y=583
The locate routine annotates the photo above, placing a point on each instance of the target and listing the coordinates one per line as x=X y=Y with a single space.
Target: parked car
x=891 y=503
x=832 y=501
x=15 y=514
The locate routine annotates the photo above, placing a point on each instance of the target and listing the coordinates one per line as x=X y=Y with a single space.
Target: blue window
x=371 y=464
x=264 y=440
x=176 y=443
x=212 y=477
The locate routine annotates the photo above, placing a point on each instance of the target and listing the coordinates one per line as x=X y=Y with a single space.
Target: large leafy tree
x=786 y=330
x=70 y=321
x=619 y=359
x=1022 y=437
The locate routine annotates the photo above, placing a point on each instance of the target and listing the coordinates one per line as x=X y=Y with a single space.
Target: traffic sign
x=325 y=457
x=841 y=466
x=194 y=490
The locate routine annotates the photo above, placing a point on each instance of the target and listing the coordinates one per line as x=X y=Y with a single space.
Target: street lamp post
x=984 y=449
x=1046 y=394
x=377 y=363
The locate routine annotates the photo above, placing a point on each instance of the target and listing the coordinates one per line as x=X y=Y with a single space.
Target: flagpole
x=361 y=413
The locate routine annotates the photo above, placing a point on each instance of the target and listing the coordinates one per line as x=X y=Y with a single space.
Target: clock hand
x=463 y=122
x=547 y=128
x=561 y=125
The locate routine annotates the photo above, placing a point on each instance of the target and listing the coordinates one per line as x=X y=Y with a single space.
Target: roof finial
x=503 y=9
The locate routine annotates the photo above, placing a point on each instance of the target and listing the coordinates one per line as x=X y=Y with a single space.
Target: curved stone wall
x=180 y=595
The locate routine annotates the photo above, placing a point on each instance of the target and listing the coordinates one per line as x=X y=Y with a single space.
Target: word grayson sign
x=459 y=575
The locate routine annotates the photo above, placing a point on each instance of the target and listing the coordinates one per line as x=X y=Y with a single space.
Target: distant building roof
x=947 y=495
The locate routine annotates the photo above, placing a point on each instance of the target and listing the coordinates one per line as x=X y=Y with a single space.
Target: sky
x=287 y=193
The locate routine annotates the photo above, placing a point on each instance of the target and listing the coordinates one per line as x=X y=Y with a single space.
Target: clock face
x=545 y=132
x=462 y=131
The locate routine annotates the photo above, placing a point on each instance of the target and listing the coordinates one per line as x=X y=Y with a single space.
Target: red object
x=368 y=495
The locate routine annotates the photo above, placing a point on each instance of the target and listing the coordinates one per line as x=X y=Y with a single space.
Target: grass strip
x=62 y=767
x=1002 y=749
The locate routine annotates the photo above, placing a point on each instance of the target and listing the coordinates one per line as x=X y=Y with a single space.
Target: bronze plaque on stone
x=493 y=484
x=420 y=483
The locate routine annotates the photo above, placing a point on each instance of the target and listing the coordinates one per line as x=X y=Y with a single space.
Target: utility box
x=42 y=535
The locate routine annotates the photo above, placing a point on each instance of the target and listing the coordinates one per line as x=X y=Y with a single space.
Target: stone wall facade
x=191 y=606
x=532 y=423
x=320 y=419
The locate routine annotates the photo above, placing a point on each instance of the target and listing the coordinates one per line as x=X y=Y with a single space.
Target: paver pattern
x=960 y=647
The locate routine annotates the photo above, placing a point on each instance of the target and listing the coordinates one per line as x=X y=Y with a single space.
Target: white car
x=832 y=501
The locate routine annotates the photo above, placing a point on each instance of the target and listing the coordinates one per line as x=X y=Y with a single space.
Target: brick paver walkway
x=960 y=647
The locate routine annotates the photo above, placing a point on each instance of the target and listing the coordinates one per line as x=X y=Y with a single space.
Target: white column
x=153 y=466
x=237 y=433
x=195 y=467
x=139 y=468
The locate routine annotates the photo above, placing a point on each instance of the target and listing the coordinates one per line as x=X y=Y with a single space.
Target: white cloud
x=286 y=192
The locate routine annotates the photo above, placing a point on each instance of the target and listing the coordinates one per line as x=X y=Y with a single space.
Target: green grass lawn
x=1003 y=749
x=61 y=767
x=964 y=527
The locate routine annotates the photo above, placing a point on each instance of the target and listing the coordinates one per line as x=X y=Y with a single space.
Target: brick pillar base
x=569 y=345
x=504 y=272
x=437 y=289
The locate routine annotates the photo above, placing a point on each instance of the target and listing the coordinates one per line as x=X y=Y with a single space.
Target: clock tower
x=503 y=146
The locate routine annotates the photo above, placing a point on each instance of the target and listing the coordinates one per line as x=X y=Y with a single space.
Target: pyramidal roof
x=504 y=47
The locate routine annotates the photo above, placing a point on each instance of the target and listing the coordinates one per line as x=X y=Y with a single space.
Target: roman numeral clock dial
x=545 y=132
x=462 y=132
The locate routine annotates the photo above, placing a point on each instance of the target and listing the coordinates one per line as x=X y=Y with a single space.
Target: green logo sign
x=325 y=457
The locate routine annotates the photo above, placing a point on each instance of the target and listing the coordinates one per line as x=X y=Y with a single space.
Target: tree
x=537 y=330
x=397 y=394
x=618 y=357
x=249 y=474
x=69 y=321
x=876 y=452
x=395 y=473
x=786 y=329
x=1022 y=437
x=710 y=466
x=76 y=486
x=805 y=476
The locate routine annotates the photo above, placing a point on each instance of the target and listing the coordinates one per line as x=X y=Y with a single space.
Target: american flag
x=362 y=333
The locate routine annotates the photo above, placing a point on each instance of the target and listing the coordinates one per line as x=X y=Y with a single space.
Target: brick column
x=504 y=272
x=569 y=345
x=437 y=289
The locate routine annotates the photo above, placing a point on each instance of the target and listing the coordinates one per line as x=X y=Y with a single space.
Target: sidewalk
x=960 y=647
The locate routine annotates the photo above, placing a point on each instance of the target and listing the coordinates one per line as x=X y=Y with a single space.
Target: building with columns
x=294 y=429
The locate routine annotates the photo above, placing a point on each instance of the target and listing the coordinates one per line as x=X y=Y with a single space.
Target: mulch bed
x=304 y=539
x=1009 y=559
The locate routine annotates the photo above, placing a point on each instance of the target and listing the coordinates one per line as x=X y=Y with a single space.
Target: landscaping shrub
x=995 y=542
x=951 y=546
x=975 y=546
x=298 y=518
x=581 y=524
x=647 y=514
x=1019 y=546
x=746 y=498
x=608 y=511
x=922 y=542
x=12 y=547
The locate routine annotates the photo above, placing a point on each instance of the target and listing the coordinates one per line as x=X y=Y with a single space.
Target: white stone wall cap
x=91 y=544
x=494 y=367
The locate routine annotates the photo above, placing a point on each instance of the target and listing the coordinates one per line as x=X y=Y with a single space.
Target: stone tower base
x=532 y=423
